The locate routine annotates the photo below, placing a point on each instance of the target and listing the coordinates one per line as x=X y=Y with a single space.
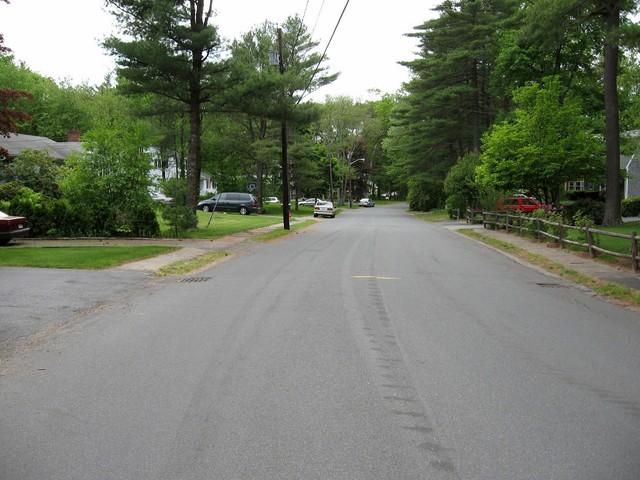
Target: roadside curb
x=570 y=260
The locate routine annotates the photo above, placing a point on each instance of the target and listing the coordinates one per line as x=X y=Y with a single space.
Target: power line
x=317 y=18
x=324 y=53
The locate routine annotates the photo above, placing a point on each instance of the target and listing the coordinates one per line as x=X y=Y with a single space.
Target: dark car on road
x=243 y=203
x=12 y=227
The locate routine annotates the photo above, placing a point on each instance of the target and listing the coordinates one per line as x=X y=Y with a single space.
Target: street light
x=350 y=184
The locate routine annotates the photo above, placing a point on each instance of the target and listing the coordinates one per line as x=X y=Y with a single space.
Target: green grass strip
x=186 y=266
x=282 y=232
x=433 y=215
x=94 y=258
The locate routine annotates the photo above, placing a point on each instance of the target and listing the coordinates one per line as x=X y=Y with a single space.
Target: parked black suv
x=243 y=203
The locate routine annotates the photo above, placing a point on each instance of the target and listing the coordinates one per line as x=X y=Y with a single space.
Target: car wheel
x=243 y=211
x=315 y=214
x=206 y=208
x=333 y=216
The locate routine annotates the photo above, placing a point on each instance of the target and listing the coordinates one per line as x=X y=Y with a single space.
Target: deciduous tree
x=9 y=116
x=547 y=141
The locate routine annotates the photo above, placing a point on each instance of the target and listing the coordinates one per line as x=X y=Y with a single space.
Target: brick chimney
x=73 y=135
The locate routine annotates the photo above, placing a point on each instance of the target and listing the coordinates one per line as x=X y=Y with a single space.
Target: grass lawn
x=613 y=244
x=221 y=224
x=100 y=257
x=78 y=257
x=620 y=245
x=433 y=215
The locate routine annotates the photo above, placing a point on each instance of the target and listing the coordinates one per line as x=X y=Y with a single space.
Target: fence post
x=592 y=252
x=495 y=225
x=538 y=228
x=634 y=252
x=560 y=233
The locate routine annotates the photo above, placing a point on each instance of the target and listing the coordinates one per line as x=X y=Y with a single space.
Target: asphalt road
x=372 y=346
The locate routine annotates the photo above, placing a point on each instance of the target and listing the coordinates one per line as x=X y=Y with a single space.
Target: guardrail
x=556 y=232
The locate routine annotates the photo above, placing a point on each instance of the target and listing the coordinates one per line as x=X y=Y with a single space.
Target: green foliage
x=585 y=195
x=547 y=142
x=631 y=207
x=583 y=209
x=425 y=193
x=34 y=169
x=11 y=116
x=555 y=217
x=451 y=102
x=53 y=109
x=532 y=225
x=583 y=221
x=460 y=184
x=108 y=183
x=47 y=216
x=9 y=190
x=177 y=214
x=172 y=50
x=456 y=203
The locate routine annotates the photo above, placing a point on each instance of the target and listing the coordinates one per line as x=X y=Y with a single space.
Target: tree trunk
x=193 y=158
x=612 y=126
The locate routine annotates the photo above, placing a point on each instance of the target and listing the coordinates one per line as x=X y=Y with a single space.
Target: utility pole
x=283 y=133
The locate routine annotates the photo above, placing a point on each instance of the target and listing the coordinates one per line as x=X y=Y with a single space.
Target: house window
x=574 y=186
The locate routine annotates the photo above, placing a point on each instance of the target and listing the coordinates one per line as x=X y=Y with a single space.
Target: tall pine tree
x=170 y=48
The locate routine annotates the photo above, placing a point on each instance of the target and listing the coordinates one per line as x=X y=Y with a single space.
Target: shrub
x=425 y=193
x=178 y=215
x=456 y=202
x=631 y=207
x=592 y=209
x=9 y=190
x=575 y=195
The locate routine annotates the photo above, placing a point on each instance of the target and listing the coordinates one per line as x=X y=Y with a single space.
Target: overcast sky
x=60 y=39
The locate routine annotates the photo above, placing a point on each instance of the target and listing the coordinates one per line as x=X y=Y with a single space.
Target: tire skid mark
x=394 y=383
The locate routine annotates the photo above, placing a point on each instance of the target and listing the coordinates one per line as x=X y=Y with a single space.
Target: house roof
x=17 y=143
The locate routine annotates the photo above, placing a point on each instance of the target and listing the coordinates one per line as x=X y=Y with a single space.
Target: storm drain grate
x=550 y=285
x=193 y=279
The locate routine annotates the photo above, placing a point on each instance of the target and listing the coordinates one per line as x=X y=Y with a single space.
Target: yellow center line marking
x=376 y=276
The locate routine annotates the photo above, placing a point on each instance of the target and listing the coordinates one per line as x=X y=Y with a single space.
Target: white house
x=16 y=143
x=171 y=170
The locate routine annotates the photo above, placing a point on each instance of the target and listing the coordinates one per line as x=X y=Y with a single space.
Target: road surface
x=372 y=346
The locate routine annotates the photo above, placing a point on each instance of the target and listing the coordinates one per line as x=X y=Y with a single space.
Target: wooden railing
x=556 y=232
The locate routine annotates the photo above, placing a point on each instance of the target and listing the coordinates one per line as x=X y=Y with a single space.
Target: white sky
x=60 y=38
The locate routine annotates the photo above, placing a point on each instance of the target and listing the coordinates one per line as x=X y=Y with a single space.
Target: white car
x=366 y=202
x=271 y=200
x=309 y=202
x=324 y=209
x=161 y=198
